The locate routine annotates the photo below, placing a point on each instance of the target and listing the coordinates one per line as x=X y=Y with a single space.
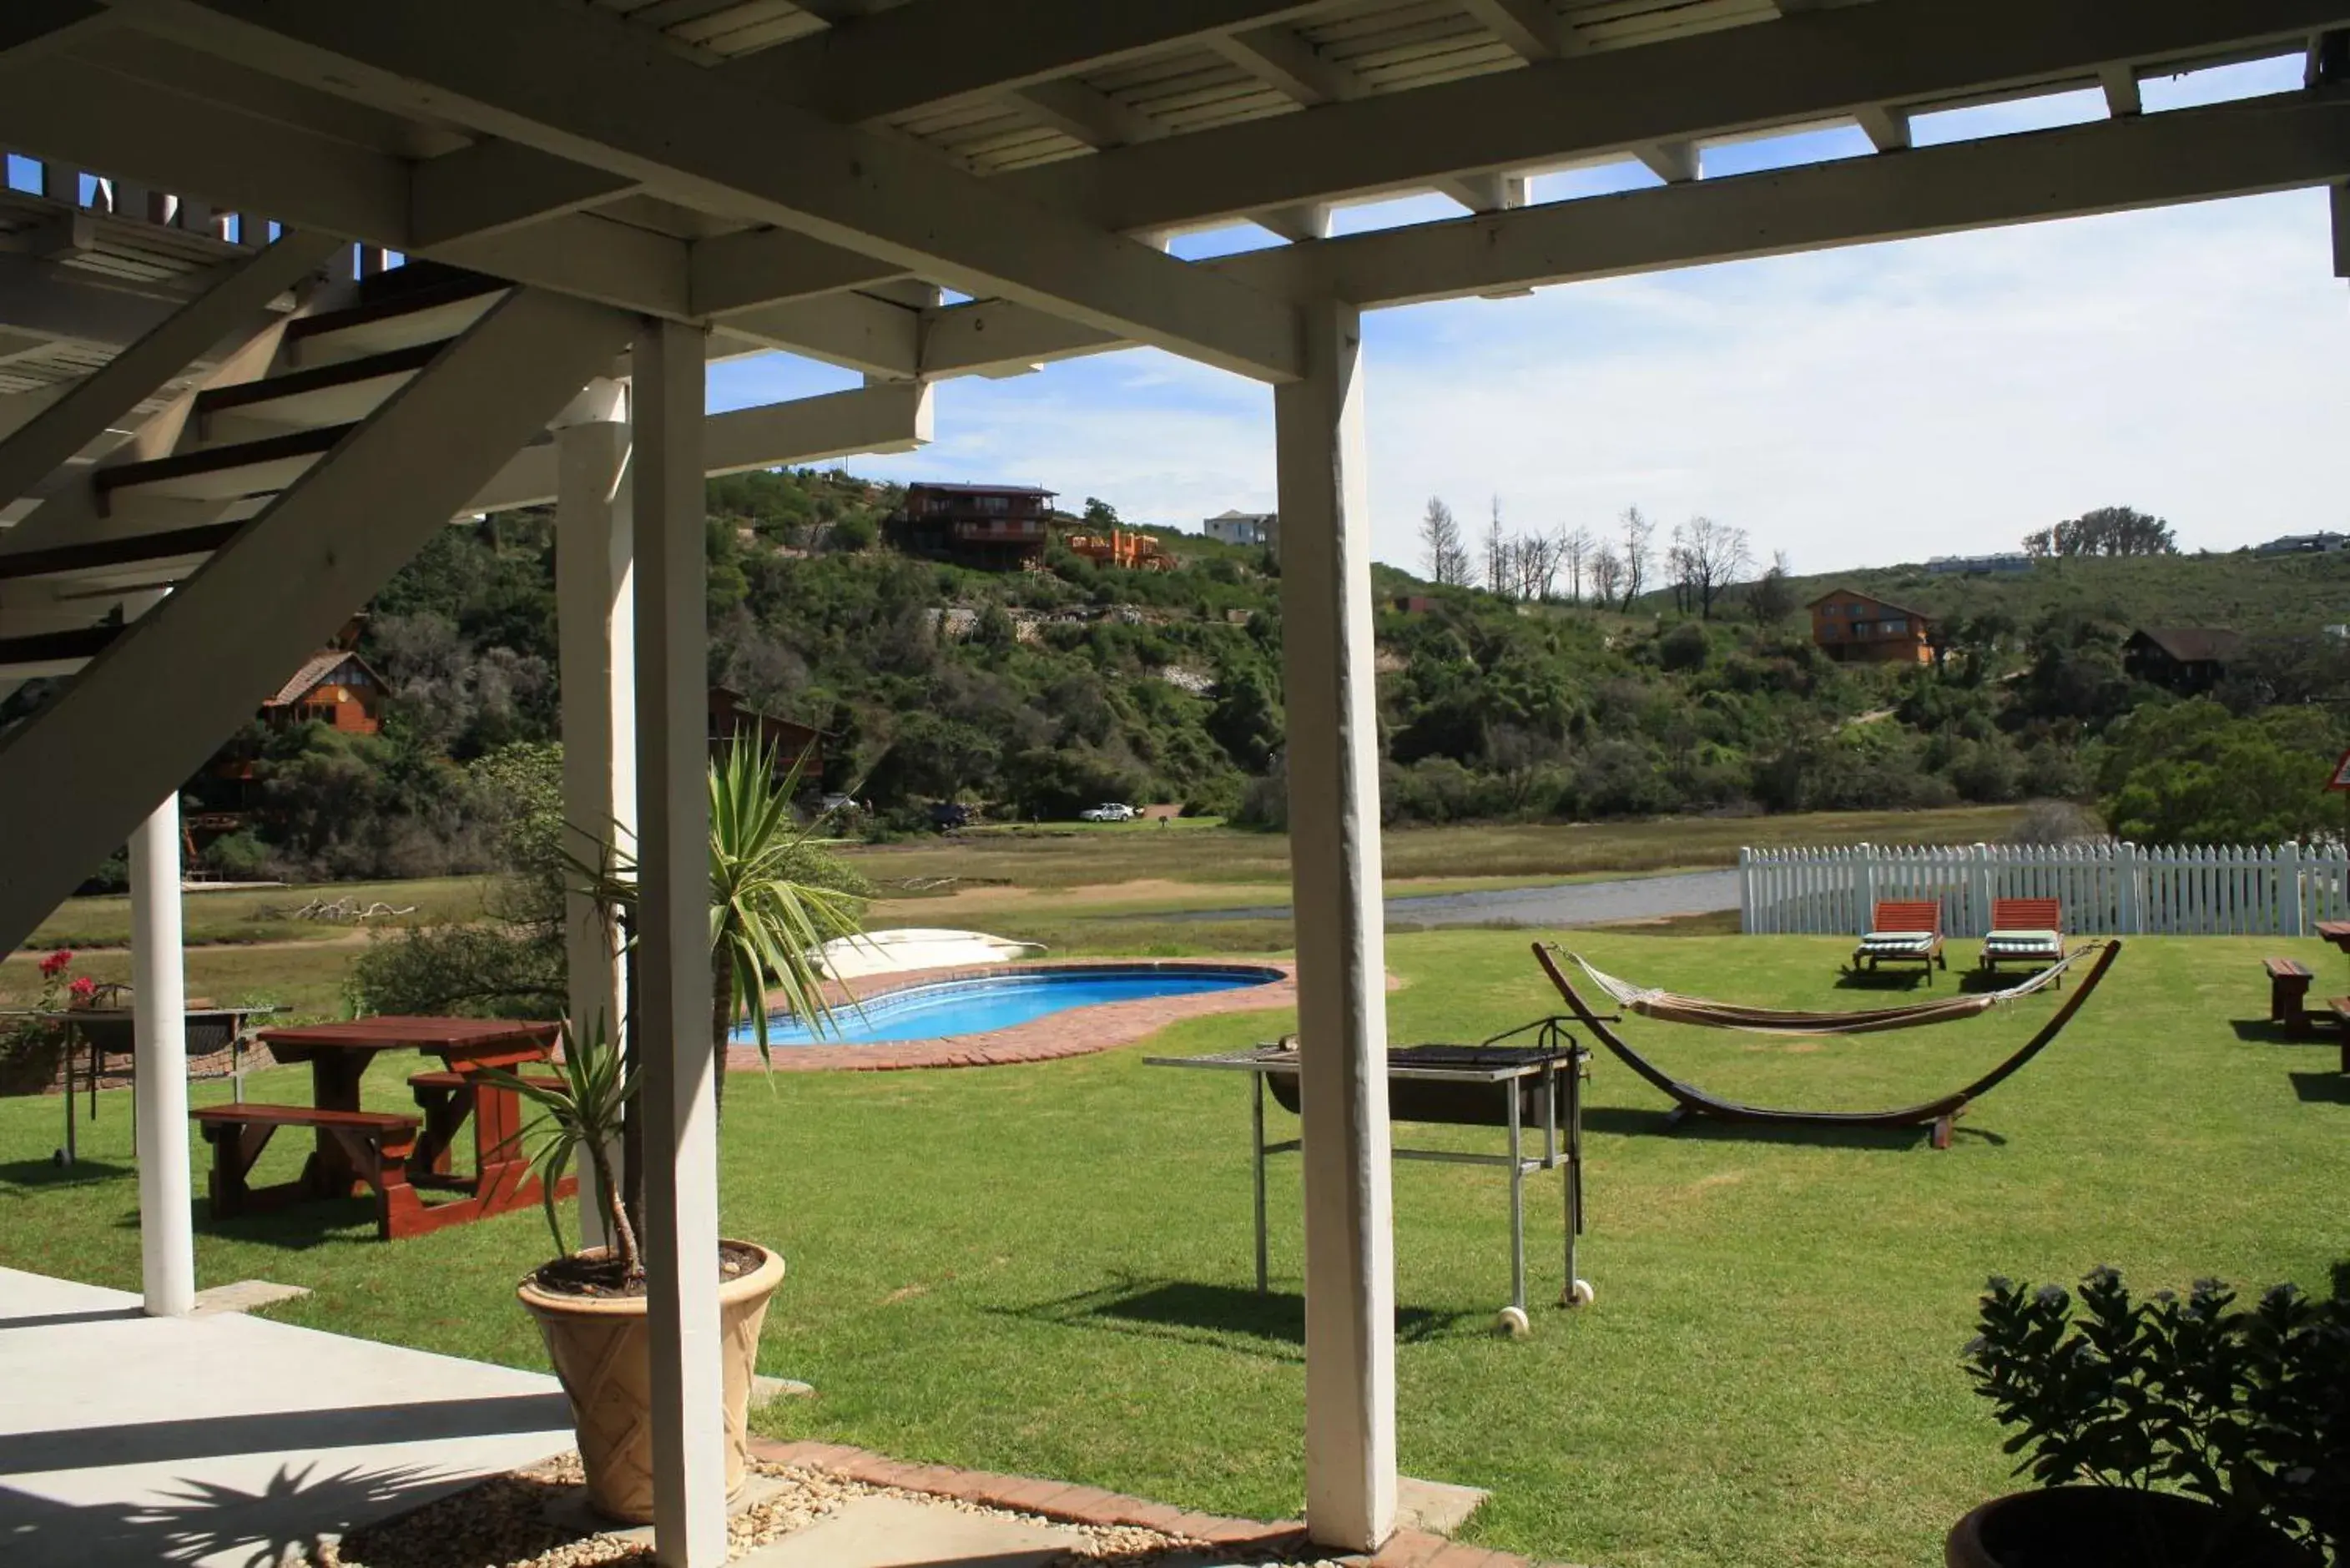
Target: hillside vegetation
x=1029 y=695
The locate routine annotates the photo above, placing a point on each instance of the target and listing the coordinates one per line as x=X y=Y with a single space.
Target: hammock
x=1672 y=1008
x=1689 y=1100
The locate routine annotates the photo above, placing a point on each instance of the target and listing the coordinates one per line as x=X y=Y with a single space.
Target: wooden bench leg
x=1943 y=1126
x=446 y=1112
x=236 y=1147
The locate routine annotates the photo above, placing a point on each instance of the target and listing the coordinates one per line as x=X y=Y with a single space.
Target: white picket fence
x=2106 y=888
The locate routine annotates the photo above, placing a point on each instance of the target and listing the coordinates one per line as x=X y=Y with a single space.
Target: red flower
x=54 y=964
x=83 y=988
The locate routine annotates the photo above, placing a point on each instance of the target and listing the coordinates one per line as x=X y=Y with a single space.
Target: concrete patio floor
x=224 y=1440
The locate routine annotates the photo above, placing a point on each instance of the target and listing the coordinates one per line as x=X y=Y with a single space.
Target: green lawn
x=1047 y=1269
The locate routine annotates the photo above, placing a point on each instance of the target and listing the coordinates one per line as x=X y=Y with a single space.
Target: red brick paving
x=1077 y=1031
x=1091 y=1505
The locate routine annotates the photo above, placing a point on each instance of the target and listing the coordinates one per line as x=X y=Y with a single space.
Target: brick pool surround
x=1073 y=1032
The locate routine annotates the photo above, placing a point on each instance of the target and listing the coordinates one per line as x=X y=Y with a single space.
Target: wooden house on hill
x=993 y=527
x=1852 y=628
x=2180 y=659
x=334 y=687
x=795 y=745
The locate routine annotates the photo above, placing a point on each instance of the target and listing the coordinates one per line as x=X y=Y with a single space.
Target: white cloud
x=1851 y=407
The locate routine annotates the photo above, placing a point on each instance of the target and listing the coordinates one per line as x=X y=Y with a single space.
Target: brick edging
x=1091 y=1505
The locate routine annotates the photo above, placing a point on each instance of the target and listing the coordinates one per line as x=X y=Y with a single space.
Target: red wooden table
x=339 y=1055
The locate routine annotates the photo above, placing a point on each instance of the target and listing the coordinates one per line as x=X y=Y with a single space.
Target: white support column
x=596 y=620
x=1334 y=848
x=159 y=1004
x=673 y=952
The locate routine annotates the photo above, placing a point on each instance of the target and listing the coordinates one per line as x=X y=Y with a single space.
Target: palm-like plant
x=585 y=1105
x=769 y=917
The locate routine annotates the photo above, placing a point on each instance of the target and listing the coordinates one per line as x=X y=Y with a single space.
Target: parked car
x=1109 y=811
x=948 y=815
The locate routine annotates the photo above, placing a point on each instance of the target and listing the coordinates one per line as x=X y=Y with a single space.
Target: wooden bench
x=447 y=1099
x=375 y=1145
x=2341 y=1008
x=2289 y=995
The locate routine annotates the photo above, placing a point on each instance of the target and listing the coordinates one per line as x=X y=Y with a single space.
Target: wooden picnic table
x=340 y=1055
x=2335 y=931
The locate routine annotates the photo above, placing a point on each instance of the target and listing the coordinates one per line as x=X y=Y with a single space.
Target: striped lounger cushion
x=2023 y=944
x=1897 y=944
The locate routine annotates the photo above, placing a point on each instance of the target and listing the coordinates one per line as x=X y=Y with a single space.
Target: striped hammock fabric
x=1669 y=1007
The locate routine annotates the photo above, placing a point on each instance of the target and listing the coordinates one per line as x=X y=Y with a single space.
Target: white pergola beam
x=280 y=589
x=494 y=185
x=1734 y=82
x=1080 y=113
x=743 y=271
x=2292 y=142
x=586 y=87
x=1530 y=27
x=933 y=51
x=888 y=418
x=2120 y=85
x=1674 y=163
x=2341 y=200
x=2262 y=145
x=1887 y=128
x=1282 y=59
x=101 y=401
x=1487 y=192
x=855 y=331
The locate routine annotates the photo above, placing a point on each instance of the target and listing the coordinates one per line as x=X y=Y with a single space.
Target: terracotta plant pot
x=2114 y=1527
x=600 y=1349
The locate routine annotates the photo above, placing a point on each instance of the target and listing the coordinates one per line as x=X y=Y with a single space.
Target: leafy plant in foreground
x=2245 y=1409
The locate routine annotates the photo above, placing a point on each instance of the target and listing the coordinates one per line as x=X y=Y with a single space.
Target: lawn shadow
x=297 y=1227
x=1221 y=1315
x=1632 y=1122
x=2322 y=1088
x=19 y=1176
x=1902 y=978
x=2268 y=1032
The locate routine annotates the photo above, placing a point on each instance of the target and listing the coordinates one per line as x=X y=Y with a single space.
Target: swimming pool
x=943 y=1009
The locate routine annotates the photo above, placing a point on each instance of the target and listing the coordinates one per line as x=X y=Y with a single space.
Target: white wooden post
x=1975 y=922
x=1746 y=888
x=595 y=558
x=159 y=1017
x=2127 y=885
x=1334 y=849
x=673 y=952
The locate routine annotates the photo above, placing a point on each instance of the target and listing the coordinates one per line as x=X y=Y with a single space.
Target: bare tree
x=1607 y=570
x=1497 y=552
x=1439 y=538
x=1537 y=567
x=1575 y=546
x=1708 y=556
x=1637 y=556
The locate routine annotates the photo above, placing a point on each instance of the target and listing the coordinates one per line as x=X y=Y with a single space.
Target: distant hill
x=2243 y=591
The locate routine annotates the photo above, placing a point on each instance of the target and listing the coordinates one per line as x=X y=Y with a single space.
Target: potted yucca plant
x=771 y=914
x=2167 y=1432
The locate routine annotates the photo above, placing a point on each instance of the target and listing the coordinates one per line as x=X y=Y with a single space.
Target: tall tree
x=2107 y=531
x=1497 y=552
x=1709 y=556
x=1538 y=567
x=1636 y=556
x=1606 y=569
x=1574 y=547
x=1772 y=599
x=1442 y=545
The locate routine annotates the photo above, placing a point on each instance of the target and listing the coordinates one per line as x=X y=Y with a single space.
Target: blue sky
x=1854 y=407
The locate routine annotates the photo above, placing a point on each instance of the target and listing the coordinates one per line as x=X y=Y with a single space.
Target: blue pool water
x=943 y=1009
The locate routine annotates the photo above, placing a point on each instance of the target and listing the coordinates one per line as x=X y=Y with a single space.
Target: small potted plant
x=774 y=905
x=2169 y=1432
x=591 y=1305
